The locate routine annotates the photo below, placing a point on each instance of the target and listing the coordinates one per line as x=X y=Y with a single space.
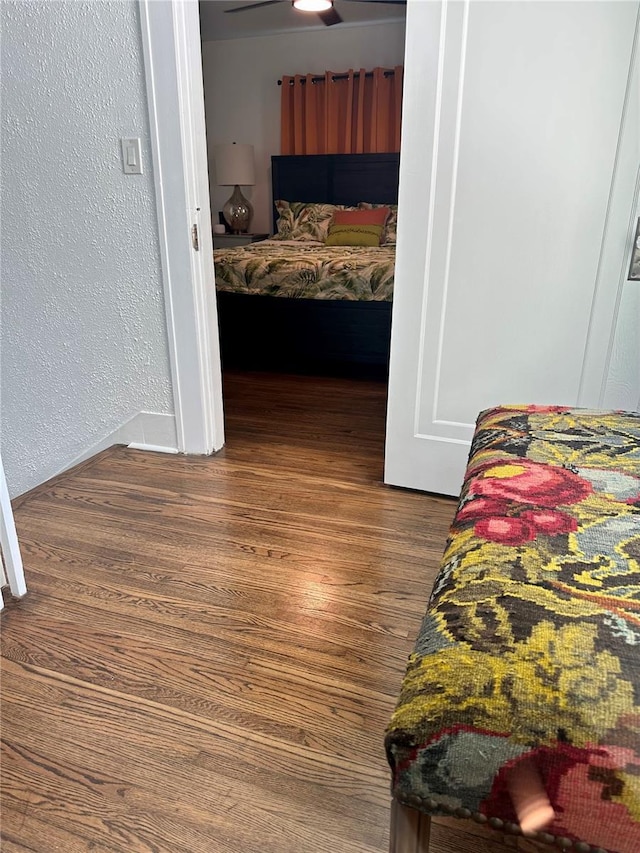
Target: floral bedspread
x=531 y=643
x=307 y=270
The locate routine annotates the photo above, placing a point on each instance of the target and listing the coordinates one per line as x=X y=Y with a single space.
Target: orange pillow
x=376 y=216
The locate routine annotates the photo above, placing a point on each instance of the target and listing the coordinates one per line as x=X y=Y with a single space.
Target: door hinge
x=194 y=238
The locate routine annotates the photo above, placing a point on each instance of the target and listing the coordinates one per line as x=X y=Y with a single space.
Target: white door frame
x=9 y=548
x=173 y=70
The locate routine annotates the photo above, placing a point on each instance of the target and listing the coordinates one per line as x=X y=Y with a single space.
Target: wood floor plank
x=263 y=569
x=210 y=648
x=323 y=713
x=347 y=651
x=188 y=752
x=254 y=590
x=362 y=672
x=80 y=707
x=30 y=834
x=316 y=524
x=118 y=542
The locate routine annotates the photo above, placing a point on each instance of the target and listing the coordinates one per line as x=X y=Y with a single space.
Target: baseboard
x=144 y=431
x=152 y=448
x=149 y=431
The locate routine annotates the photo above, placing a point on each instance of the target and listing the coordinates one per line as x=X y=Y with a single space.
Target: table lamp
x=235 y=168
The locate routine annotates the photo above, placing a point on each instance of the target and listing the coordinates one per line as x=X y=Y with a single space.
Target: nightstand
x=228 y=241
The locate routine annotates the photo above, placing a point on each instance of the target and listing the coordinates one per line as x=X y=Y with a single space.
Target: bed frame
x=333 y=337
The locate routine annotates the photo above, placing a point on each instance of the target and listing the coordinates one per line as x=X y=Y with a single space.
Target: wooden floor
x=211 y=647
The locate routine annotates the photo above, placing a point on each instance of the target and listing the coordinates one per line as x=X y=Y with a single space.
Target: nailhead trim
x=429 y=804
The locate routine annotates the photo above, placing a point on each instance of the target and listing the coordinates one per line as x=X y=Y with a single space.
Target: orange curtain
x=351 y=112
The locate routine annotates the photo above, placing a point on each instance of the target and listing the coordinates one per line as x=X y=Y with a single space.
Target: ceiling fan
x=323 y=8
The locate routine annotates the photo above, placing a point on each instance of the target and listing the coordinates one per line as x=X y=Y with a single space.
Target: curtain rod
x=335 y=77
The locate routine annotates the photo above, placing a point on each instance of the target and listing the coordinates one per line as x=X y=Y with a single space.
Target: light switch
x=131 y=158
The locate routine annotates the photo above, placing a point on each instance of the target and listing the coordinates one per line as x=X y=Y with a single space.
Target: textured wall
x=242 y=99
x=83 y=336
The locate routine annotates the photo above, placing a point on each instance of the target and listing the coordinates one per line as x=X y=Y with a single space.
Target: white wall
x=242 y=97
x=83 y=336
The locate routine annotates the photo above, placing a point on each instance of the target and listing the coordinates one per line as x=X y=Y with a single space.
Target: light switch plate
x=131 y=157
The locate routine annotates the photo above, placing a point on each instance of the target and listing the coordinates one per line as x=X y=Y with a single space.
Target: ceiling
x=281 y=18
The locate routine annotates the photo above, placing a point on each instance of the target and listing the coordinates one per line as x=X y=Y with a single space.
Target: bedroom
x=495 y=166
x=245 y=107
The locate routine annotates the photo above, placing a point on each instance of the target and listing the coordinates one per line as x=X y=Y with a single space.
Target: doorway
x=245 y=109
x=428 y=236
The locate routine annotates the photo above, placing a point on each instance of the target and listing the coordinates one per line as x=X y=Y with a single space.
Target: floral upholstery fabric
x=307 y=271
x=530 y=647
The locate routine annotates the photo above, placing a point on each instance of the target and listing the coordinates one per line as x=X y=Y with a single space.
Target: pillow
x=354 y=235
x=298 y=220
x=391 y=225
x=365 y=216
x=357 y=227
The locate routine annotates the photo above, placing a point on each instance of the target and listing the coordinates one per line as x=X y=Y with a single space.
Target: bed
x=300 y=305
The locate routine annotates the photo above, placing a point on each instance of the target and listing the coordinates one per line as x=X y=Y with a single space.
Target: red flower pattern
x=529 y=482
x=512 y=502
x=482 y=508
x=505 y=530
x=550 y=521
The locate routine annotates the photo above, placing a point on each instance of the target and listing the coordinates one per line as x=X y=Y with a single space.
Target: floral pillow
x=299 y=220
x=391 y=225
x=305 y=221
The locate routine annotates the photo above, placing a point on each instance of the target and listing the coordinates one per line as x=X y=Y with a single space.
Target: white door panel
x=520 y=141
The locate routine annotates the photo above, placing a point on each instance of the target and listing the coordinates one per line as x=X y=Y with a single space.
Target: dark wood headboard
x=336 y=178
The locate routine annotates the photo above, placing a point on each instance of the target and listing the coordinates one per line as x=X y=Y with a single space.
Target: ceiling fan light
x=312 y=5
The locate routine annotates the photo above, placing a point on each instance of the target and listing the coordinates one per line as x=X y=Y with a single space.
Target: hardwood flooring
x=211 y=648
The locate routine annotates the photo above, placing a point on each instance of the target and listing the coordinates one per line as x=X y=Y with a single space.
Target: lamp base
x=237 y=212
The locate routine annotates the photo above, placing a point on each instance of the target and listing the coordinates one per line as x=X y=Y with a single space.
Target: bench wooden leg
x=410 y=830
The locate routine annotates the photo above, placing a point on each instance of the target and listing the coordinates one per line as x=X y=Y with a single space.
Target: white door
x=518 y=173
x=9 y=550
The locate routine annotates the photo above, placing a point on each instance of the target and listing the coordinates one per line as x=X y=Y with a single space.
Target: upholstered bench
x=529 y=653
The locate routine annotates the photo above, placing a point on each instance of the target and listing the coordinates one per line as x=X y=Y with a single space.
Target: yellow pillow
x=354 y=235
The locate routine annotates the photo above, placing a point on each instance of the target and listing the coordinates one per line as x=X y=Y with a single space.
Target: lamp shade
x=234 y=165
